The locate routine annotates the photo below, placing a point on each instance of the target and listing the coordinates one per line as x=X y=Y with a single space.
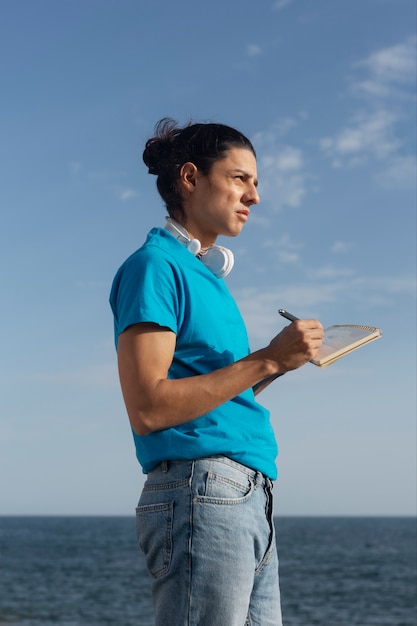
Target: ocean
x=88 y=571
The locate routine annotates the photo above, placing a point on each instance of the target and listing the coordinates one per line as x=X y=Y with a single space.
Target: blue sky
x=326 y=91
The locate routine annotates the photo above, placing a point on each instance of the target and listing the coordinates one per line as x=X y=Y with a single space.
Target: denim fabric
x=207 y=533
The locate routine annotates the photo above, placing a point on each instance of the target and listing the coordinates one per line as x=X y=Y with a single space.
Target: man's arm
x=264 y=383
x=154 y=402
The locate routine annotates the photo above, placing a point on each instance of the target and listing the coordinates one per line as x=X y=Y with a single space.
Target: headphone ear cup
x=219 y=260
x=194 y=246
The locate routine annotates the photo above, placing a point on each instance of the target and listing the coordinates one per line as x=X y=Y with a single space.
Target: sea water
x=77 y=571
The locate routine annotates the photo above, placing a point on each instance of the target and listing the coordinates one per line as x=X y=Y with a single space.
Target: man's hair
x=172 y=146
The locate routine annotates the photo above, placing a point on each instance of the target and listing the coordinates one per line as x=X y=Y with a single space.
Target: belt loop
x=164 y=466
x=259 y=479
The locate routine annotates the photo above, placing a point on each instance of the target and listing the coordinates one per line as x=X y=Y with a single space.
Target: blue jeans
x=207 y=533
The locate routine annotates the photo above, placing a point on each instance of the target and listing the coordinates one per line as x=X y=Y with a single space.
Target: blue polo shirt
x=165 y=284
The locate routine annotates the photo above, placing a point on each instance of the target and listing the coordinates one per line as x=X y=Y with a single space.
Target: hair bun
x=157 y=153
x=158 y=149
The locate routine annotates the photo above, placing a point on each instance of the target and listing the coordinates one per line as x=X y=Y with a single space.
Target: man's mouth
x=243 y=213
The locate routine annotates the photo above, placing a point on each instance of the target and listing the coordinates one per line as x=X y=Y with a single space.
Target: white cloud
x=381 y=130
x=127 y=194
x=330 y=272
x=398 y=285
x=283 y=125
x=330 y=285
x=261 y=220
x=287 y=256
x=390 y=70
x=284 y=249
x=282 y=180
x=288 y=160
x=341 y=247
x=368 y=134
x=400 y=172
x=281 y=190
x=280 y=4
x=260 y=308
x=75 y=167
x=254 y=50
x=281 y=167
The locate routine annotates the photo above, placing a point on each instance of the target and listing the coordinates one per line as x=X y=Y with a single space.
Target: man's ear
x=188 y=174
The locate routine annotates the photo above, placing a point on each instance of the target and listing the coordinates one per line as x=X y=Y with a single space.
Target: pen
x=287 y=315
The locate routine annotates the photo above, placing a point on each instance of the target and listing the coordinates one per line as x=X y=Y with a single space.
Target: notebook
x=341 y=339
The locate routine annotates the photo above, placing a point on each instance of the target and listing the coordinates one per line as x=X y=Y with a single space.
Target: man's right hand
x=296 y=344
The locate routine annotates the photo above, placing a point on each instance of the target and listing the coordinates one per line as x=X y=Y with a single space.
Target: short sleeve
x=146 y=289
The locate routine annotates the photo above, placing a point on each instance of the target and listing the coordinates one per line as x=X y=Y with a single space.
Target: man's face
x=220 y=202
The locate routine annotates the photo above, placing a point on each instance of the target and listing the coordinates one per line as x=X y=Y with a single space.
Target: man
x=189 y=383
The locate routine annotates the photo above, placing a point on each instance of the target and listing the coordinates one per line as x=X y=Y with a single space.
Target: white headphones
x=218 y=259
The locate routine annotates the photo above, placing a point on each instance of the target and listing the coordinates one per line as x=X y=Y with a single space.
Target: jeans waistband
x=259 y=478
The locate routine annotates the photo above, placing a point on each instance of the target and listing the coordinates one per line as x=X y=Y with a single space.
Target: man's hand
x=155 y=402
x=296 y=344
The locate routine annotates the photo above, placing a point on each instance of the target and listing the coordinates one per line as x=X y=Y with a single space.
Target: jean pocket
x=220 y=489
x=154 y=533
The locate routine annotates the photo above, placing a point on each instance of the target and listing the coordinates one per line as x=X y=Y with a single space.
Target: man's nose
x=252 y=195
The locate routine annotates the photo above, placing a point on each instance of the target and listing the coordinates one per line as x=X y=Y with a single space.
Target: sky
x=326 y=91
